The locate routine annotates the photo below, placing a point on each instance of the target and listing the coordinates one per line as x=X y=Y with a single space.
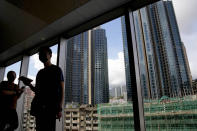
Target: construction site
x=165 y=114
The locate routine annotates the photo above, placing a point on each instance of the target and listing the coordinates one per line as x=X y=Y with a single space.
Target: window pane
x=95 y=85
x=169 y=99
x=54 y=54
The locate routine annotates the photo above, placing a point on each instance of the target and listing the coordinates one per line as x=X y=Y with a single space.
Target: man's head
x=45 y=54
x=11 y=76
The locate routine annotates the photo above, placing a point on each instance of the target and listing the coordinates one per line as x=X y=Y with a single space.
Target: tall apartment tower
x=126 y=60
x=76 y=82
x=87 y=68
x=161 y=57
x=100 y=66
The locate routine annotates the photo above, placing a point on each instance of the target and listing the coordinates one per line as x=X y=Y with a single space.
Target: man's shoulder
x=40 y=71
x=55 y=67
x=51 y=69
x=4 y=85
x=3 y=82
x=16 y=86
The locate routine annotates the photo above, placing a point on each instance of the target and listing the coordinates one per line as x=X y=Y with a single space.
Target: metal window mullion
x=137 y=98
x=2 y=73
x=20 y=103
x=61 y=62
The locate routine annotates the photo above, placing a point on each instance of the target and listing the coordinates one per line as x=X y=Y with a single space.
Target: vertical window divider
x=2 y=73
x=61 y=62
x=137 y=98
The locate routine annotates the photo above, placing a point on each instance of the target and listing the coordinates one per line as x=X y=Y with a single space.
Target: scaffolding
x=170 y=114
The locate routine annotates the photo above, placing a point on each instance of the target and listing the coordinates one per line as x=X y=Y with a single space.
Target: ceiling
x=27 y=24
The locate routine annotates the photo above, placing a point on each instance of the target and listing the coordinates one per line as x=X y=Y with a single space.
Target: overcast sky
x=186 y=13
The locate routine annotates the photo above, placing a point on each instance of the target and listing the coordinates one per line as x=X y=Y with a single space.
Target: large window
x=95 y=78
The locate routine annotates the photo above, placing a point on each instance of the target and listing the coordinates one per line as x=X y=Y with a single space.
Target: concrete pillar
x=2 y=73
x=62 y=49
x=20 y=104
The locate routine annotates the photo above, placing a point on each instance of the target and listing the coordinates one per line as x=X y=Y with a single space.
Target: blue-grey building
x=100 y=66
x=126 y=60
x=76 y=83
x=87 y=68
x=161 y=59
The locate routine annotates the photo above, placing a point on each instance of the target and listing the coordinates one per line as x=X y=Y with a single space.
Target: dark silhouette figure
x=9 y=94
x=49 y=93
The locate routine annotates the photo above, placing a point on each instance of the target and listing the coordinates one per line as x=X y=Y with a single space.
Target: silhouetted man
x=9 y=93
x=49 y=93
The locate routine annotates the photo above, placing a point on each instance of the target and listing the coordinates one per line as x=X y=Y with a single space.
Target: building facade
x=194 y=86
x=161 y=57
x=29 y=123
x=80 y=118
x=100 y=66
x=126 y=60
x=87 y=68
x=76 y=69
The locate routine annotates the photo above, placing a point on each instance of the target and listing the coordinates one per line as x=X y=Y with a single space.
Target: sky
x=187 y=21
x=116 y=69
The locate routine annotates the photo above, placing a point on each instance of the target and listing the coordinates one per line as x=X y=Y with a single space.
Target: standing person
x=49 y=93
x=9 y=94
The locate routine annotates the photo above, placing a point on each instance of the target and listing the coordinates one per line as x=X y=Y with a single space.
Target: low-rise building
x=28 y=120
x=80 y=118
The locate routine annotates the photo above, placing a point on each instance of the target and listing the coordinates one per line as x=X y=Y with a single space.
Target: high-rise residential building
x=112 y=92
x=76 y=83
x=87 y=68
x=187 y=64
x=161 y=57
x=126 y=60
x=99 y=66
x=117 y=92
x=194 y=86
